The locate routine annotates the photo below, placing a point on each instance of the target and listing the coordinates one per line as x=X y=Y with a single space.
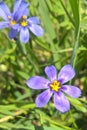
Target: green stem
x=75 y=48
x=23 y=48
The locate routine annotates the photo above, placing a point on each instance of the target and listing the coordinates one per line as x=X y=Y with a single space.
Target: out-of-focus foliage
x=64 y=41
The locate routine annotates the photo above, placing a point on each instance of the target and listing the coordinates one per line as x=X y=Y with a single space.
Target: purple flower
x=55 y=85
x=18 y=21
x=11 y=19
x=29 y=24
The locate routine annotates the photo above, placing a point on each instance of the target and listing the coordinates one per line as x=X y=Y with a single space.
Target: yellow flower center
x=24 y=23
x=55 y=86
x=12 y=22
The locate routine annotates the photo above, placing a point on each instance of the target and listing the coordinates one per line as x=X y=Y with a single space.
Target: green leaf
x=53 y=128
x=45 y=15
x=69 y=16
x=77 y=104
x=75 y=9
x=22 y=74
x=8 y=107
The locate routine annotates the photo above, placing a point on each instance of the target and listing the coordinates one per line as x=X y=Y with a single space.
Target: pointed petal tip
x=66 y=74
x=61 y=103
x=51 y=72
x=37 y=82
x=72 y=91
x=24 y=35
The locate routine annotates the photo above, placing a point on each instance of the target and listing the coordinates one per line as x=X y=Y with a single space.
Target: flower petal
x=36 y=30
x=71 y=91
x=4 y=25
x=61 y=103
x=66 y=74
x=16 y=26
x=37 y=82
x=26 y=11
x=12 y=33
x=43 y=98
x=3 y=14
x=51 y=72
x=24 y=35
x=16 y=5
x=4 y=11
x=22 y=8
x=34 y=20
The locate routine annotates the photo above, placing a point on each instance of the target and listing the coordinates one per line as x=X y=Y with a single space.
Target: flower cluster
x=17 y=21
x=55 y=85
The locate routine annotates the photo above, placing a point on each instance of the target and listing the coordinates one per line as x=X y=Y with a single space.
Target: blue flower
x=11 y=19
x=18 y=21
x=29 y=24
x=55 y=86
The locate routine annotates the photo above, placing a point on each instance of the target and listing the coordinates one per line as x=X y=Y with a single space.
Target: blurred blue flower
x=29 y=24
x=55 y=85
x=12 y=19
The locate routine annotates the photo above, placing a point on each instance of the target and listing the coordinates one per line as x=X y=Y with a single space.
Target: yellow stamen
x=24 y=17
x=24 y=23
x=55 y=85
x=12 y=22
x=9 y=17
